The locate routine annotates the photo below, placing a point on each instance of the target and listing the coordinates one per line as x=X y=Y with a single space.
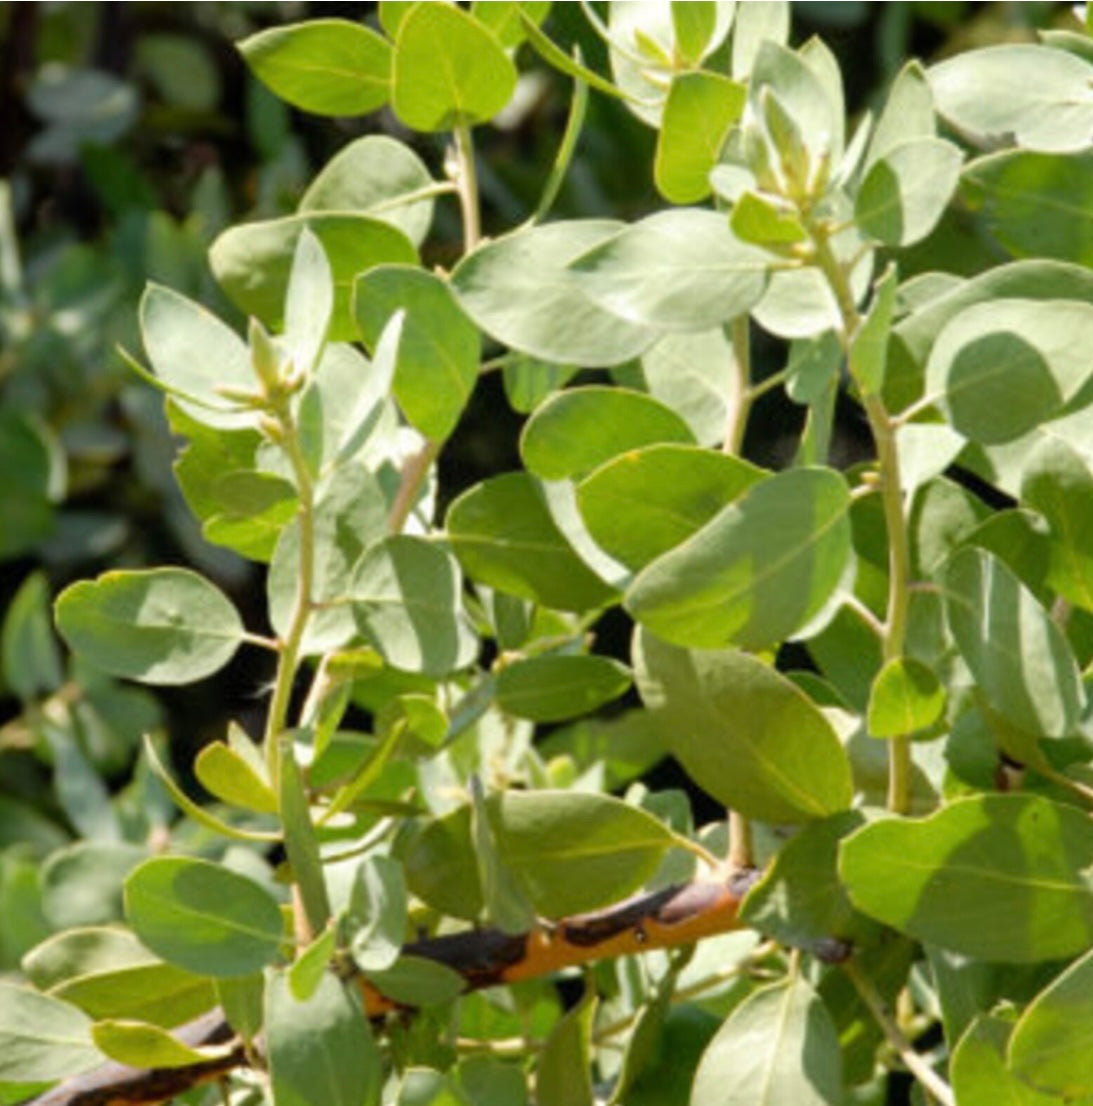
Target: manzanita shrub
x=902 y=887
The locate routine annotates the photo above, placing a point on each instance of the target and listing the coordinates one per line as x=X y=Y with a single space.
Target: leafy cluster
x=912 y=777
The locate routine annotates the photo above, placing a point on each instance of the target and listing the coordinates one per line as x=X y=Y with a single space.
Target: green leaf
x=234 y=778
x=778 y=1045
x=758 y=571
x=647 y=501
x=350 y=515
x=784 y=80
x=377 y=176
x=1019 y=658
x=140 y=1045
x=202 y=916
x=26 y=508
x=743 y=732
x=82 y=883
x=377 y=914
x=799 y=900
x=406 y=599
x=694 y=374
x=693 y=26
x=562 y=1074
x=503 y=534
x=160 y=626
x=528 y=381
x=436 y=366
x=150 y=991
x=1034 y=95
x=552 y=688
x=869 y=345
x=682 y=269
x=41 y=1038
x=415 y=981
x=1000 y=368
x=520 y=290
x=29 y=658
x=576 y=851
x=448 y=70
x=309 y=302
x=320 y=1050
x=505 y=18
x=980 y=1076
x=578 y=429
x=326 y=66
x=307 y=970
x=756 y=24
x=907 y=189
x=1036 y=205
x=1056 y=481
x=908 y=113
x=698 y=115
x=195 y=355
x=442 y=867
x=252 y=261
x=998 y=877
x=1049 y=1046
x=766 y=220
x=906 y=696
x=505 y=904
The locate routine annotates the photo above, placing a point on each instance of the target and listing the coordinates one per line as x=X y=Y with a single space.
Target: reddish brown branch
x=484 y=957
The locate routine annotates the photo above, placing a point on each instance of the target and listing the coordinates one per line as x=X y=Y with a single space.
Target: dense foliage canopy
x=606 y=514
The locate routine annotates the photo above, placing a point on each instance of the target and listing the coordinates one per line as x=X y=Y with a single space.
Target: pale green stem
x=883 y=428
x=915 y=1064
x=742 y=396
x=302 y=607
x=578 y=106
x=414 y=472
x=741 y=854
x=466 y=183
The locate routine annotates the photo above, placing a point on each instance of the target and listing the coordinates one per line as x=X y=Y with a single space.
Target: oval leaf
x=758 y=571
x=553 y=688
x=743 y=732
x=698 y=114
x=1004 y=366
x=998 y=877
x=907 y=189
x=252 y=261
x=194 y=354
x=906 y=696
x=504 y=535
x=779 y=1045
x=449 y=70
x=406 y=598
x=676 y=270
x=1049 y=1046
x=41 y=1038
x=576 y=851
x=1036 y=95
x=647 y=501
x=160 y=626
x=378 y=176
x=1020 y=659
x=576 y=430
x=519 y=290
x=437 y=361
x=140 y=1045
x=327 y=66
x=320 y=1050
x=202 y=916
